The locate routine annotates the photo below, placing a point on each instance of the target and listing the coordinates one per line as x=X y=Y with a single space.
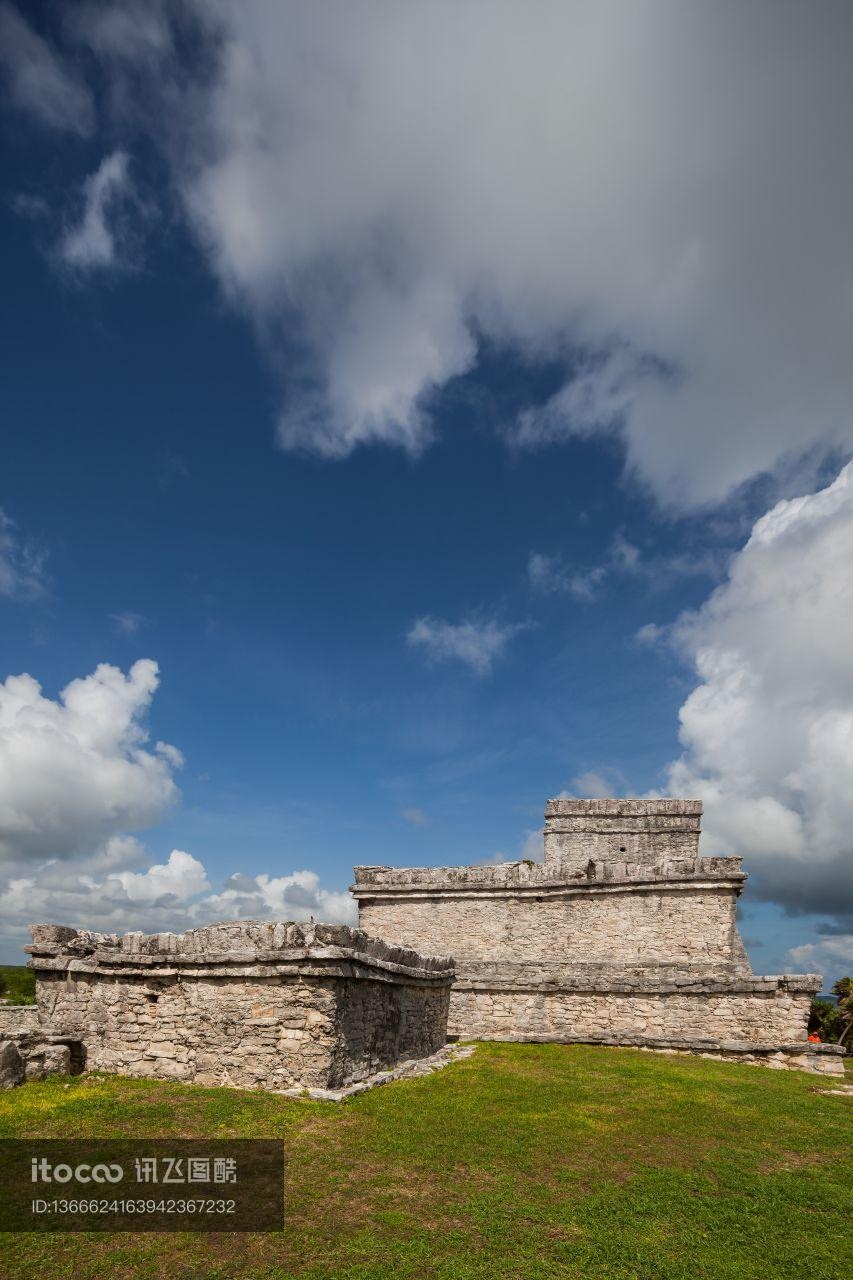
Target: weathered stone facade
x=623 y=935
x=254 y=1004
x=17 y=1017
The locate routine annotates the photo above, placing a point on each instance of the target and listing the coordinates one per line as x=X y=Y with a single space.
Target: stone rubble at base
x=623 y=936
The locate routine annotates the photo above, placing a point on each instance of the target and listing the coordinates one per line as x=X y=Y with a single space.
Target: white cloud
x=477 y=645
x=417 y=817
x=93 y=242
x=124 y=32
x=592 y=785
x=598 y=398
x=650 y=634
x=127 y=623
x=533 y=846
x=831 y=955
x=180 y=878
x=768 y=732
x=531 y=849
x=297 y=896
x=104 y=891
x=75 y=775
x=547 y=575
x=75 y=771
x=660 y=194
x=550 y=575
x=39 y=81
x=22 y=573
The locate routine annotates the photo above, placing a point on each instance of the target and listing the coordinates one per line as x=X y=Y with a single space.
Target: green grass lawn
x=20 y=984
x=523 y=1161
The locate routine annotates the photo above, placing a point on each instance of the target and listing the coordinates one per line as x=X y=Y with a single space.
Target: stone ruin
x=253 y=1004
x=624 y=935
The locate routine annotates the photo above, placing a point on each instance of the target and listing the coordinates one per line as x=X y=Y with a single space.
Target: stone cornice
x=238 y=949
x=622 y=808
x=547 y=879
x=594 y=979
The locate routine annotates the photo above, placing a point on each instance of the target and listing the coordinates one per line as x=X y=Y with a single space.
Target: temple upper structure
x=626 y=831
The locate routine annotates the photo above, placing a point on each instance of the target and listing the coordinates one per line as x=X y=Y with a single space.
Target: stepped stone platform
x=255 y=1004
x=623 y=935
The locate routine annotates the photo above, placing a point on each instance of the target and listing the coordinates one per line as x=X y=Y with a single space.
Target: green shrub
x=17 y=984
x=833 y=1020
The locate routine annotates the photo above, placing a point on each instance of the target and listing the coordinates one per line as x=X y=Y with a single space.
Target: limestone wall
x=576 y=830
x=675 y=924
x=253 y=1004
x=751 y=1013
x=16 y=1017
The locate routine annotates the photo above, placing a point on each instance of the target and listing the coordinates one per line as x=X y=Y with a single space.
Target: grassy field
x=20 y=984
x=522 y=1162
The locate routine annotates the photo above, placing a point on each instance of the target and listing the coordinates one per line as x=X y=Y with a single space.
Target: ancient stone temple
x=623 y=935
x=256 y=1004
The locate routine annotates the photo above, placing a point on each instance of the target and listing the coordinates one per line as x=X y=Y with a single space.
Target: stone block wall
x=17 y=1017
x=625 y=1009
x=690 y=923
x=756 y=1020
x=643 y=830
x=253 y=1004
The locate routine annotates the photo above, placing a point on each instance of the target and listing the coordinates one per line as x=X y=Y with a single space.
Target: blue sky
x=410 y=557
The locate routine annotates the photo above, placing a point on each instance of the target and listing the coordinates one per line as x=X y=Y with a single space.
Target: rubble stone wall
x=600 y=923
x=761 y=1015
x=14 y=1017
x=252 y=1004
x=576 y=830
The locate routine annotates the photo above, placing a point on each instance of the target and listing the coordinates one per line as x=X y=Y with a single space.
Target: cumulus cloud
x=178 y=879
x=297 y=896
x=76 y=770
x=832 y=955
x=22 y=572
x=768 y=731
x=94 y=240
x=658 y=195
x=39 y=81
x=76 y=775
x=106 y=891
x=477 y=645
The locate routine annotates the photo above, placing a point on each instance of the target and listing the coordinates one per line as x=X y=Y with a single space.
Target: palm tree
x=843 y=988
